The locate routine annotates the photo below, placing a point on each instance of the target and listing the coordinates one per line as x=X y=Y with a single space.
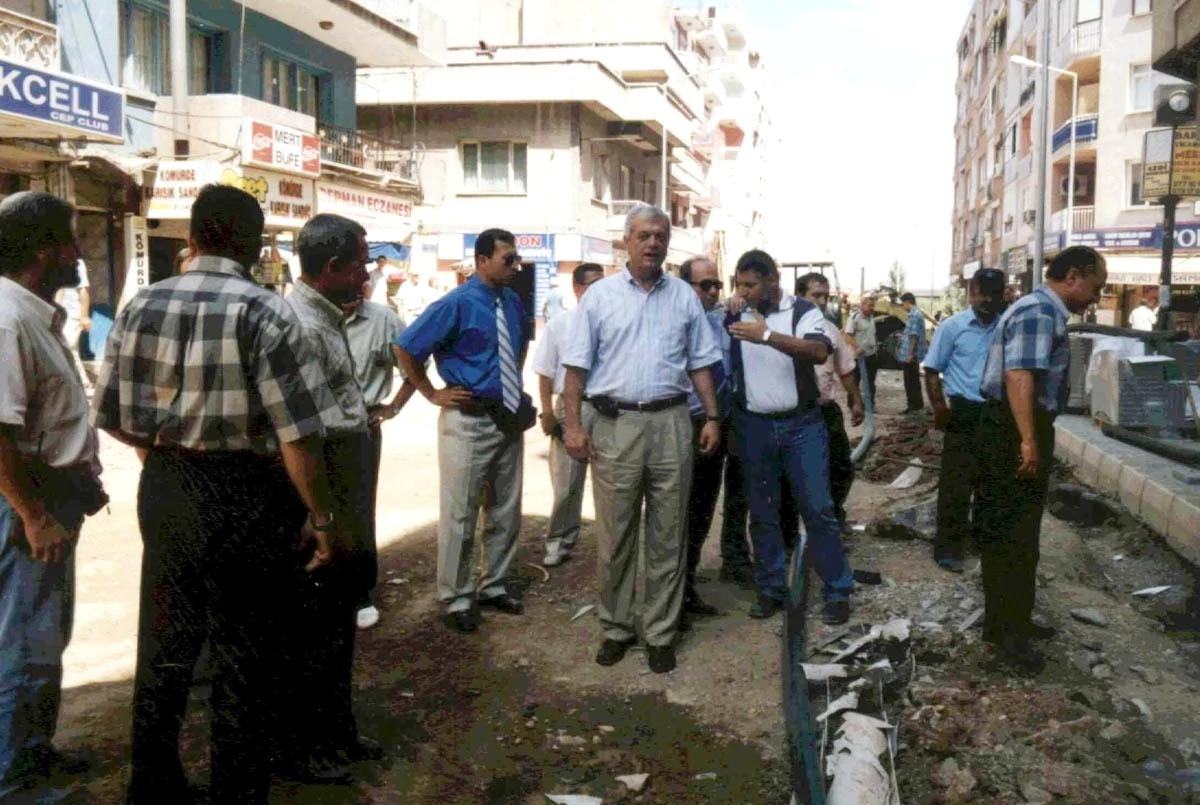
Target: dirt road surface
x=520 y=709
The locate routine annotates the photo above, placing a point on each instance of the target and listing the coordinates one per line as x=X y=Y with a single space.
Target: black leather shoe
x=504 y=603
x=952 y=563
x=662 y=659
x=737 y=573
x=613 y=651
x=835 y=613
x=464 y=621
x=364 y=749
x=1019 y=655
x=317 y=771
x=53 y=763
x=765 y=607
x=693 y=604
x=1042 y=631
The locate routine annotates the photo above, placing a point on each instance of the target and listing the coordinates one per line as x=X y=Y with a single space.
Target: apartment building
x=553 y=120
x=269 y=106
x=1104 y=46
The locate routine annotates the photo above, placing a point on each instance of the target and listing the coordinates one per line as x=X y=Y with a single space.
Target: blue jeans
x=36 y=608
x=794 y=450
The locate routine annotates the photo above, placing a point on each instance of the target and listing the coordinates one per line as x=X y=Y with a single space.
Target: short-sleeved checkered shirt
x=324 y=329
x=1031 y=335
x=209 y=361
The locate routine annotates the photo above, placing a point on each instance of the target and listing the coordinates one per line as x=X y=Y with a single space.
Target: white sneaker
x=554 y=557
x=368 y=616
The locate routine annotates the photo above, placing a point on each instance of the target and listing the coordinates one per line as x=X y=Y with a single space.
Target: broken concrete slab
x=1090 y=615
x=634 y=782
x=969 y=621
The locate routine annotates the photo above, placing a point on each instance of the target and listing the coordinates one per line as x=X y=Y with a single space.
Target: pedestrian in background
x=707 y=468
x=839 y=369
x=912 y=351
x=781 y=436
x=1025 y=384
x=954 y=370
x=49 y=481
x=639 y=343
x=567 y=474
x=860 y=332
x=206 y=374
x=478 y=334
x=76 y=300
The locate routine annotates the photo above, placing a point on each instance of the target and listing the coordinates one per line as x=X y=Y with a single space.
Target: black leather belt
x=608 y=406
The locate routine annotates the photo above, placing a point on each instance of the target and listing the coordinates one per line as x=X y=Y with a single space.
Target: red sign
x=281 y=148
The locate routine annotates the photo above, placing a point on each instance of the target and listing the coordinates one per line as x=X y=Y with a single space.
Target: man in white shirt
x=77 y=301
x=781 y=436
x=378 y=280
x=567 y=475
x=1143 y=317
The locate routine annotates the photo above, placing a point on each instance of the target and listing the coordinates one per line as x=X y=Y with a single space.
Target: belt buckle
x=641 y=405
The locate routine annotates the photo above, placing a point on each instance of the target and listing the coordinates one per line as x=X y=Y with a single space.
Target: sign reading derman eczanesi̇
x=64 y=105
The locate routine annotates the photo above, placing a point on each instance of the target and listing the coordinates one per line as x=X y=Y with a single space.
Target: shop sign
x=64 y=101
x=267 y=145
x=1171 y=166
x=532 y=248
x=597 y=250
x=364 y=206
x=137 y=272
x=286 y=201
x=1146 y=238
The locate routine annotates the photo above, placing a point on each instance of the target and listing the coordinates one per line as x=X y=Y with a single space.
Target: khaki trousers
x=642 y=458
x=473 y=453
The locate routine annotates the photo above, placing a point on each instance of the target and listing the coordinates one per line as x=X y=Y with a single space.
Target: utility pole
x=1174 y=106
x=1169 y=204
x=1043 y=161
x=862 y=282
x=179 y=75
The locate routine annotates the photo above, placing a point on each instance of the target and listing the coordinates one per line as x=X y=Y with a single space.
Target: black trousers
x=218 y=533
x=707 y=472
x=315 y=714
x=841 y=468
x=872 y=362
x=370 y=549
x=912 y=386
x=963 y=453
x=1008 y=516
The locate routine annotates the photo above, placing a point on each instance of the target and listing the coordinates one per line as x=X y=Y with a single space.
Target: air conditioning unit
x=1029 y=216
x=1082 y=184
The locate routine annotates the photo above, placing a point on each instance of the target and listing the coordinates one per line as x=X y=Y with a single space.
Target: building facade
x=1104 y=48
x=270 y=106
x=553 y=120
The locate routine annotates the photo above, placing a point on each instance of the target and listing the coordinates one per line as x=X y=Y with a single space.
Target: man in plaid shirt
x=205 y=374
x=1025 y=386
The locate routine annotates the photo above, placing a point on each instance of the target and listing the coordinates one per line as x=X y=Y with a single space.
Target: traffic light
x=1175 y=105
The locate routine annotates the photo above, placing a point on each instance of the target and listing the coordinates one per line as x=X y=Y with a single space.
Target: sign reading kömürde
x=286 y=201
x=1163 y=173
x=72 y=105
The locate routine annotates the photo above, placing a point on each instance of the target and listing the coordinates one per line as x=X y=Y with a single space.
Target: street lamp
x=1027 y=62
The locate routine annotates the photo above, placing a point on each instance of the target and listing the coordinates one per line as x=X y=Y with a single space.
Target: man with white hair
x=639 y=342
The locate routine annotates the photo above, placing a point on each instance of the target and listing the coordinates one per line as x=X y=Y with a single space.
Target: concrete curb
x=1146 y=484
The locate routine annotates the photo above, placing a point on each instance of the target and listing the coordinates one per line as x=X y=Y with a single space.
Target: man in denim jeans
x=781 y=436
x=44 y=433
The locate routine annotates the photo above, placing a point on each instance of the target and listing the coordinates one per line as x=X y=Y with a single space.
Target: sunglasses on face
x=708 y=286
x=512 y=259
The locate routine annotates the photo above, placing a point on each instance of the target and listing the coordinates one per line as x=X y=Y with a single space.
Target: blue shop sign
x=72 y=106
x=1146 y=238
x=532 y=248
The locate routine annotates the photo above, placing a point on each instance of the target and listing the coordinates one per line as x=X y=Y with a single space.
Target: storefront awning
x=392 y=251
x=1128 y=269
x=115 y=167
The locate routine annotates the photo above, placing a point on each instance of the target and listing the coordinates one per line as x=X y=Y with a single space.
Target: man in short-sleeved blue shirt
x=478 y=334
x=1025 y=386
x=953 y=370
x=911 y=352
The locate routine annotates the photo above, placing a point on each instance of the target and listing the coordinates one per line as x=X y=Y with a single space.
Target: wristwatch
x=766 y=336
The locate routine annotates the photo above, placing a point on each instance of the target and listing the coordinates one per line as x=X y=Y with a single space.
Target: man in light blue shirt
x=639 y=341
x=912 y=350
x=954 y=369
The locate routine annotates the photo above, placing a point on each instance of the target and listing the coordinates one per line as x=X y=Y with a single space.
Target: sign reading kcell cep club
x=266 y=145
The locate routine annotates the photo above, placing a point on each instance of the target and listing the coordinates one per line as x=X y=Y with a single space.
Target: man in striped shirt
x=206 y=375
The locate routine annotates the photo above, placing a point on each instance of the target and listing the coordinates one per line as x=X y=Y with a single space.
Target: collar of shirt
x=1055 y=299
x=628 y=272
x=973 y=320
x=51 y=314
x=786 y=302
x=219 y=265
x=314 y=300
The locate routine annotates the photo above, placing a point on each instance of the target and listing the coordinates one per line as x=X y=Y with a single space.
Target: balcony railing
x=365 y=152
x=1085 y=38
x=28 y=40
x=1027 y=93
x=617 y=210
x=1087 y=128
x=1082 y=218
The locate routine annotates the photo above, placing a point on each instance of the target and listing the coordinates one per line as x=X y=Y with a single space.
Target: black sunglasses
x=708 y=285
x=511 y=259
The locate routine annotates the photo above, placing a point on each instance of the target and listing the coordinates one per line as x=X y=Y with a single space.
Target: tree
x=896 y=276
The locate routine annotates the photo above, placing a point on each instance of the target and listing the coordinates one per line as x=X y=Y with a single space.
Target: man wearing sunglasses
x=478 y=333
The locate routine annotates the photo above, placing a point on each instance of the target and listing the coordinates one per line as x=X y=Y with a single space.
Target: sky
x=861 y=96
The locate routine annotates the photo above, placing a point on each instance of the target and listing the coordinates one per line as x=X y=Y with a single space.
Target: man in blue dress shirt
x=478 y=334
x=1025 y=385
x=912 y=350
x=639 y=342
x=954 y=369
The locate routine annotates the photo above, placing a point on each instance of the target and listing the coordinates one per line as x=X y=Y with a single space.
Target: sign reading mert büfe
x=267 y=145
x=74 y=106
x=286 y=201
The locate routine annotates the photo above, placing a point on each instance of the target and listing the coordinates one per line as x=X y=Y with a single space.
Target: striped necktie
x=510 y=378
